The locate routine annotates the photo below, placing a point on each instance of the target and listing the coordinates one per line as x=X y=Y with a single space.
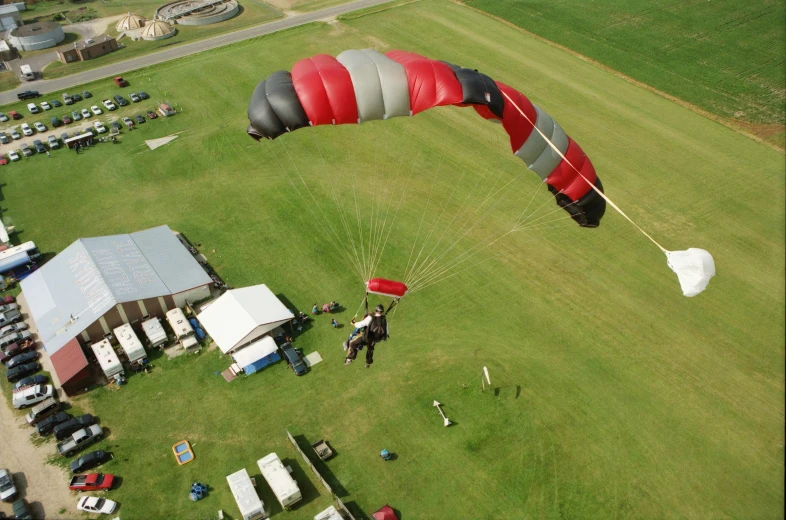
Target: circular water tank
x=35 y=36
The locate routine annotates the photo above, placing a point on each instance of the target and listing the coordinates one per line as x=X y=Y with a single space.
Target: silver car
x=80 y=439
x=7 y=487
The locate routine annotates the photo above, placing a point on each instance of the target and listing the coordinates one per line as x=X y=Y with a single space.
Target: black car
x=55 y=103
x=22 y=358
x=56 y=122
x=20 y=371
x=142 y=95
x=115 y=127
x=30 y=381
x=76 y=97
x=28 y=94
x=64 y=136
x=89 y=461
x=46 y=426
x=139 y=118
x=39 y=146
x=294 y=359
x=86 y=94
x=65 y=429
x=121 y=100
x=20 y=510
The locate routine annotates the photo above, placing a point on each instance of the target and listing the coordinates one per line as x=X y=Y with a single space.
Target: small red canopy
x=386 y=513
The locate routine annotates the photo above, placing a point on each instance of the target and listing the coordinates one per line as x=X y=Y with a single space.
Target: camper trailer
x=130 y=342
x=280 y=481
x=107 y=358
x=251 y=507
x=155 y=332
x=26 y=73
x=183 y=331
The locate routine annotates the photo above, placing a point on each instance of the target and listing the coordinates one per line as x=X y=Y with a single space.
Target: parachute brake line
x=554 y=147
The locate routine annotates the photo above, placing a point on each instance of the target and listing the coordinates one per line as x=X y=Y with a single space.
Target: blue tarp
x=261 y=363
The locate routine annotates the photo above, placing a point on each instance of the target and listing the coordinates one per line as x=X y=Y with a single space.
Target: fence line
x=314 y=470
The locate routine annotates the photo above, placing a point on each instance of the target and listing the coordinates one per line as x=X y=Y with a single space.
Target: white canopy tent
x=240 y=316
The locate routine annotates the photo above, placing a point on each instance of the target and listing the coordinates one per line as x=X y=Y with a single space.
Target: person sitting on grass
x=333 y=306
x=326 y=308
x=315 y=309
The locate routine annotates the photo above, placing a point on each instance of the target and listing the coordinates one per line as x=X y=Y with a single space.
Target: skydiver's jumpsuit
x=359 y=341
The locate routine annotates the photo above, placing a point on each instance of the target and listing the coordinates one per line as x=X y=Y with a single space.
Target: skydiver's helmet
x=380 y=308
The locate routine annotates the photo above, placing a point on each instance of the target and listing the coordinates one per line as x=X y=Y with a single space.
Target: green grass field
x=616 y=397
x=723 y=56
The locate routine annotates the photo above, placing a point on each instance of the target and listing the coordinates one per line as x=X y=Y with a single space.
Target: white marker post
x=482 y=383
x=437 y=405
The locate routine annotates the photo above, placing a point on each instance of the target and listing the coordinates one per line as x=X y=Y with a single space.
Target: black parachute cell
x=275 y=108
x=588 y=210
x=479 y=89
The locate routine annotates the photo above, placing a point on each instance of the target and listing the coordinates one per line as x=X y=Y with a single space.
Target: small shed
x=155 y=332
x=107 y=358
x=257 y=355
x=71 y=367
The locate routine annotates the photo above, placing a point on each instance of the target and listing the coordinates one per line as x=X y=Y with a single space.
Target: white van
x=31 y=395
x=33 y=108
x=251 y=507
x=280 y=481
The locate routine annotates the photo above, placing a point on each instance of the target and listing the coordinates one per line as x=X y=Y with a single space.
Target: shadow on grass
x=307 y=489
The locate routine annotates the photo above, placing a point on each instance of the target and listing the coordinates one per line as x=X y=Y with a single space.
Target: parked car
x=64 y=136
x=3 y=117
x=48 y=424
x=56 y=103
x=13 y=155
x=21 y=359
x=91 y=482
x=98 y=126
x=18 y=372
x=15 y=134
x=139 y=118
x=15 y=348
x=27 y=94
x=7 y=488
x=120 y=82
x=98 y=505
x=293 y=358
x=135 y=97
x=30 y=381
x=8 y=298
x=39 y=146
x=39 y=126
x=45 y=105
x=76 y=97
x=54 y=144
x=33 y=108
x=151 y=114
x=15 y=115
x=67 y=120
x=120 y=100
x=4 y=139
x=42 y=410
x=26 y=129
x=11 y=315
x=78 y=115
x=20 y=510
x=89 y=461
x=143 y=95
x=86 y=94
x=3 y=160
x=108 y=104
x=77 y=423
x=31 y=395
x=55 y=122
x=26 y=150
x=68 y=99
x=127 y=121
x=115 y=126
x=11 y=306
x=80 y=439
x=8 y=329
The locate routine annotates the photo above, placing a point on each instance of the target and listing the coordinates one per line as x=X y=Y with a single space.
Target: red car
x=3 y=160
x=8 y=299
x=151 y=114
x=91 y=482
x=120 y=82
x=15 y=115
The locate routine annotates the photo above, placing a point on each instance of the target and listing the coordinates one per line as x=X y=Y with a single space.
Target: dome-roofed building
x=130 y=22
x=157 y=30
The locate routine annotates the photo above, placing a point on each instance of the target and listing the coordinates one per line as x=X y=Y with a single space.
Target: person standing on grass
x=334 y=323
x=376 y=330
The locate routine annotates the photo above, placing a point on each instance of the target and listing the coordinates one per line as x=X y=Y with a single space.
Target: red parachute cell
x=386 y=287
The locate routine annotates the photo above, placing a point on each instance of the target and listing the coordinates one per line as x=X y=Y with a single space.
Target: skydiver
x=376 y=330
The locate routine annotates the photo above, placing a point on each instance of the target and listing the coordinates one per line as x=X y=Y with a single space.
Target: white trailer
x=183 y=331
x=155 y=332
x=26 y=73
x=280 y=481
x=130 y=342
x=251 y=507
x=329 y=514
x=107 y=358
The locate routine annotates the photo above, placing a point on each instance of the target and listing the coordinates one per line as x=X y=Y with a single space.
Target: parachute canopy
x=365 y=85
x=693 y=267
x=386 y=287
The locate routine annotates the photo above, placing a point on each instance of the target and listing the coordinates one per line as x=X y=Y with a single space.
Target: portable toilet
x=251 y=507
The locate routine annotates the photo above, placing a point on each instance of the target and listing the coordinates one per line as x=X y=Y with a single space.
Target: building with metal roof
x=97 y=284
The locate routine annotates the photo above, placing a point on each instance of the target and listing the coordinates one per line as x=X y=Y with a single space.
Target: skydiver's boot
x=347 y=362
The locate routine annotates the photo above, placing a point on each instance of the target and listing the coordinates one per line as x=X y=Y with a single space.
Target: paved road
x=51 y=85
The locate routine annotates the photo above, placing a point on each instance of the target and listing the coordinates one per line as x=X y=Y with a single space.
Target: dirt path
x=42 y=485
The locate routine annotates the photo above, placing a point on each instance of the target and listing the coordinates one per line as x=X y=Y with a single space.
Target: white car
x=109 y=105
x=101 y=128
x=13 y=155
x=7 y=487
x=26 y=129
x=96 y=505
x=8 y=329
x=45 y=105
x=3 y=117
x=15 y=134
x=39 y=126
x=31 y=395
x=86 y=113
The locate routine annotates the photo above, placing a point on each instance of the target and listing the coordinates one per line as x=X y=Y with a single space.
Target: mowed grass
x=615 y=395
x=723 y=56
